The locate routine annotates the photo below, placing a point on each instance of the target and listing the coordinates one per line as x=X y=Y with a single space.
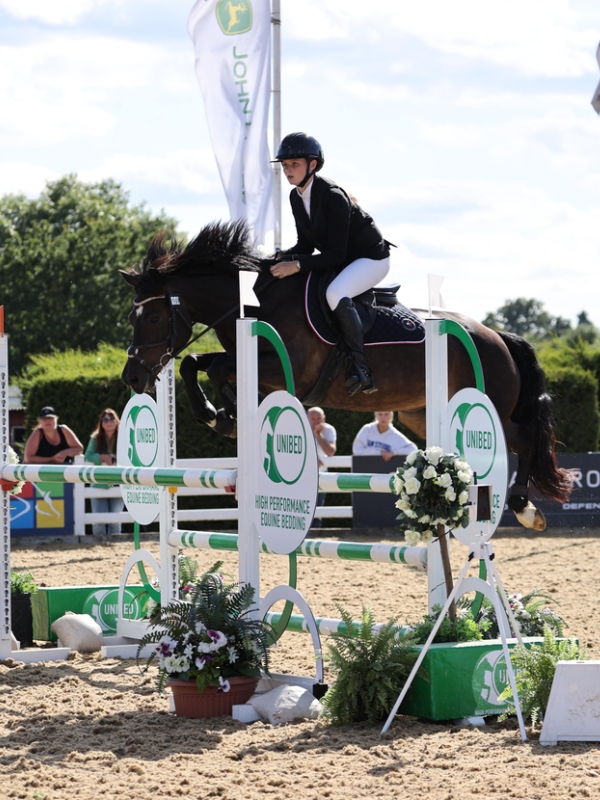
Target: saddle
x=385 y=322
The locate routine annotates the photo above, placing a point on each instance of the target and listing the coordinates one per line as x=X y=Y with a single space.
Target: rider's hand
x=284 y=269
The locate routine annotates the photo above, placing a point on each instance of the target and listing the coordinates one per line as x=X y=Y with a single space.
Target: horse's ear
x=132 y=278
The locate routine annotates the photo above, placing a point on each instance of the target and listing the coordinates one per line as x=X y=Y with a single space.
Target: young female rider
x=330 y=221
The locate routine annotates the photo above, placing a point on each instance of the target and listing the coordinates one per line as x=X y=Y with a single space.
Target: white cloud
x=23 y=178
x=190 y=170
x=496 y=242
x=52 y=12
x=60 y=87
x=534 y=37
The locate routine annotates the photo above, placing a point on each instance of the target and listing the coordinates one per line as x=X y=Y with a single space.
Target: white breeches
x=356 y=278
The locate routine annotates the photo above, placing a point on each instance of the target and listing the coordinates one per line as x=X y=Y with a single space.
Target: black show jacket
x=338 y=228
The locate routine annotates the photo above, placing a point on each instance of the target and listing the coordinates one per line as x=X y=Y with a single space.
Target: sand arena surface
x=91 y=728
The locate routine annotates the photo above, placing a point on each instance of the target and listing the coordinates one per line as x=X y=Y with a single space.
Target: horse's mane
x=219 y=247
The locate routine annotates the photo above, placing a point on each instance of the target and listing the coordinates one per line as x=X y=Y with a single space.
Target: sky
x=465 y=128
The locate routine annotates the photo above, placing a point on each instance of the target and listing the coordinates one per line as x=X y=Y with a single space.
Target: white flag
x=247 y=296
x=232 y=42
x=596 y=98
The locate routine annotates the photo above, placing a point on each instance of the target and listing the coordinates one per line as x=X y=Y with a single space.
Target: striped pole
x=356 y=482
x=131 y=476
x=326 y=627
x=172 y=476
x=312 y=548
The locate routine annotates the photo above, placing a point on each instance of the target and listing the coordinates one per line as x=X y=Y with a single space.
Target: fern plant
x=371 y=667
x=209 y=638
x=535 y=668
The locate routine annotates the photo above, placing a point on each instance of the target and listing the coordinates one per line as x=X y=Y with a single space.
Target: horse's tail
x=534 y=413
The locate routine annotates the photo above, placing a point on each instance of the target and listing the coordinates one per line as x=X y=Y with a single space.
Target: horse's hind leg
x=518 y=499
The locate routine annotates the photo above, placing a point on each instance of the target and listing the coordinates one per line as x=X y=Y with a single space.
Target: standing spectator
x=325 y=439
x=381 y=438
x=51 y=443
x=102 y=449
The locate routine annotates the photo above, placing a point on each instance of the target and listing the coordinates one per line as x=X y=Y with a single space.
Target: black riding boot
x=359 y=377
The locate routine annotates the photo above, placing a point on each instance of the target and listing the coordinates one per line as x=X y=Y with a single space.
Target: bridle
x=176 y=312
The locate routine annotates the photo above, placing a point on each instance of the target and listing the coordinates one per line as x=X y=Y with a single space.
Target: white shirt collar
x=305 y=195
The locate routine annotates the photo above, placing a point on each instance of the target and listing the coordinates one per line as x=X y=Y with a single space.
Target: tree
x=59 y=261
x=525 y=318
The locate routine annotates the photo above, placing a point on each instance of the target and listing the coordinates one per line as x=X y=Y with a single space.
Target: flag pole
x=276 y=91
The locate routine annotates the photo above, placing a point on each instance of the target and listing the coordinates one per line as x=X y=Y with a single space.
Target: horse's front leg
x=202 y=409
x=221 y=371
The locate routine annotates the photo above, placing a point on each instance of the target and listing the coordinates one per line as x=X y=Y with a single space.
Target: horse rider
x=330 y=220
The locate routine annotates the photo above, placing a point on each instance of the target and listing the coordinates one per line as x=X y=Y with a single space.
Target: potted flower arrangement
x=22 y=586
x=211 y=650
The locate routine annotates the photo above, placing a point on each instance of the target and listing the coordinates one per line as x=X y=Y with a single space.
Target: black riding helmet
x=301 y=145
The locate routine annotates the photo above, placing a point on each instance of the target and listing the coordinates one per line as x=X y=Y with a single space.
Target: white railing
x=81 y=492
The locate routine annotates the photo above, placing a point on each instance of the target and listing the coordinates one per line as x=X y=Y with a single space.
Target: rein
x=175 y=310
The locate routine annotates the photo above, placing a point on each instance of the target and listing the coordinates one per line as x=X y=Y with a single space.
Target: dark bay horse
x=178 y=286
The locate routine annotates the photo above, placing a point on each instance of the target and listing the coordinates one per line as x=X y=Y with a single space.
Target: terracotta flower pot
x=189 y=702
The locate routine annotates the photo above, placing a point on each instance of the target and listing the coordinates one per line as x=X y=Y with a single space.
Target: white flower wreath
x=16 y=487
x=433 y=490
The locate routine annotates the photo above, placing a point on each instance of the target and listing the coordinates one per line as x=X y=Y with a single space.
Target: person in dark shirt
x=329 y=220
x=51 y=443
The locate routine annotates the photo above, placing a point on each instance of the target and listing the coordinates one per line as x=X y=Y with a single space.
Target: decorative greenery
x=433 y=490
x=188 y=569
x=210 y=638
x=464 y=629
x=530 y=611
x=535 y=668
x=371 y=668
x=22 y=583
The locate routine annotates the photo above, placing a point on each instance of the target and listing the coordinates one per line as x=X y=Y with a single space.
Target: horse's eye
x=154 y=319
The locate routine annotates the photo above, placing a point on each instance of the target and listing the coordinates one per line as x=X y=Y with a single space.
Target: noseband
x=176 y=313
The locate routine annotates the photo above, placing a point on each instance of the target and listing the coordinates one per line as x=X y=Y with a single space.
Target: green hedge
x=78 y=402
x=577 y=417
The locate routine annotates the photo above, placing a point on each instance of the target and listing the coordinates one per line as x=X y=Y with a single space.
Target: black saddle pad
x=393 y=324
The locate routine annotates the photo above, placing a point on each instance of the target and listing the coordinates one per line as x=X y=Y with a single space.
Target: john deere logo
x=142 y=436
x=284 y=445
x=490 y=678
x=234 y=17
x=473 y=435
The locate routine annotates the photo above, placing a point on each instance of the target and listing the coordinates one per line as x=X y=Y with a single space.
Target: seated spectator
x=51 y=443
x=325 y=439
x=381 y=438
x=102 y=449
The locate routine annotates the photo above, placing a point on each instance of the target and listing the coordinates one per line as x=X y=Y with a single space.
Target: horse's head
x=161 y=328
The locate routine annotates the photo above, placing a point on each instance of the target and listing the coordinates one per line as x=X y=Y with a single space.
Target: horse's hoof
x=226 y=425
x=531 y=517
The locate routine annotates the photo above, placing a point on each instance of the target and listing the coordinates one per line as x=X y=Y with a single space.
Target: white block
x=573 y=713
x=244 y=713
